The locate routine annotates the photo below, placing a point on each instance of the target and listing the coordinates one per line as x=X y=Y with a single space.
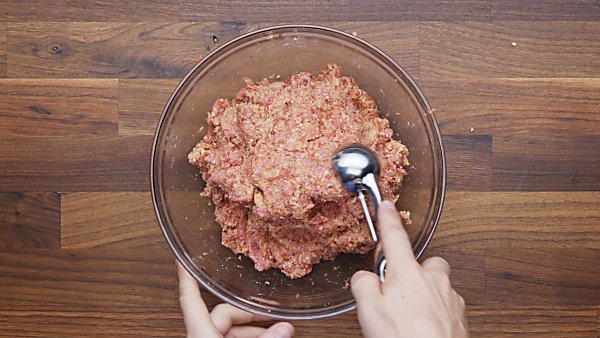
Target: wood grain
x=545 y=10
x=143 y=321
x=54 y=107
x=484 y=322
x=302 y=11
x=509 y=107
x=484 y=49
x=546 y=322
x=109 y=49
x=563 y=161
x=2 y=49
x=140 y=103
x=157 y=50
x=95 y=10
x=29 y=220
x=467 y=272
x=398 y=39
x=496 y=220
x=468 y=162
x=101 y=279
x=570 y=276
x=75 y=163
x=113 y=220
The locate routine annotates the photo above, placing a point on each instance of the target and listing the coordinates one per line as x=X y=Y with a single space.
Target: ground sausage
x=266 y=160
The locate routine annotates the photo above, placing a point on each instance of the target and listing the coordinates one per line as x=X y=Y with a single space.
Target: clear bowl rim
x=183 y=260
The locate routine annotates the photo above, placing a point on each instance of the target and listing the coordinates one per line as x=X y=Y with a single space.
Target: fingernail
x=387 y=205
x=283 y=331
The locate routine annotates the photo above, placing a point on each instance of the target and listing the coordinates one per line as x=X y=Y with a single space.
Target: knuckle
x=441 y=279
x=438 y=260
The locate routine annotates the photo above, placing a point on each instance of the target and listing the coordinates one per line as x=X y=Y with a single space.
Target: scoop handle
x=380 y=262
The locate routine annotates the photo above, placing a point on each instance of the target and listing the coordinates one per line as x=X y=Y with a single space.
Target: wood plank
x=111 y=220
x=398 y=39
x=556 y=276
x=2 y=49
x=29 y=220
x=545 y=10
x=95 y=10
x=546 y=322
x=303 y=11
x=75 y=163
x=496 y=220
x=515 y=106
x=143 y=321
x=560 y=162
x=467 y=272
x=90 y=279
x=468 y=162
x=555 y=322
x=484 y=49
x=110 y=49
x=54 y=107
x=146 y=321
x=130 y=50
x=141 y=102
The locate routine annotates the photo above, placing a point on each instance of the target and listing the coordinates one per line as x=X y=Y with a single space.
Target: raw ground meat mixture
x=266 y=160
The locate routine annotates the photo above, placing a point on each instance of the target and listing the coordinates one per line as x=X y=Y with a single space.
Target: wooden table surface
x=516 y=85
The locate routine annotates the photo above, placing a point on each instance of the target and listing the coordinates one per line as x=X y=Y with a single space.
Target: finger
x=396 y=243
x=245 y=332
x=366 y=288
x=224 y=316
x=195 y=314
x=279 y=330
x=437 y=264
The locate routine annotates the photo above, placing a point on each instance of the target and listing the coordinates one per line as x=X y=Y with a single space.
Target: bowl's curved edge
x=184 y=261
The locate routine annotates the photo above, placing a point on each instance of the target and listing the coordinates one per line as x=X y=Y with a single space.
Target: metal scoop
x=357 y=166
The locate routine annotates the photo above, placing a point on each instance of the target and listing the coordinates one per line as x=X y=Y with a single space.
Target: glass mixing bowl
x=186 y=218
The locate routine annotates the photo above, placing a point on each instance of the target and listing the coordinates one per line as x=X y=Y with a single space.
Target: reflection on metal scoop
x=357 y=166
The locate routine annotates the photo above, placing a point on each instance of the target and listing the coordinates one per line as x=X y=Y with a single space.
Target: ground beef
x=266 y=160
